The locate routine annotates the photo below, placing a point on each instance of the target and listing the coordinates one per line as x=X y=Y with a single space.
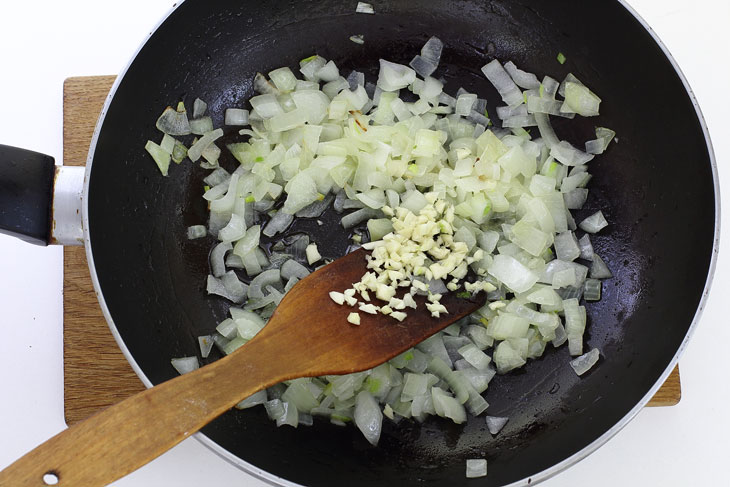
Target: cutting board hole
x=50 y=479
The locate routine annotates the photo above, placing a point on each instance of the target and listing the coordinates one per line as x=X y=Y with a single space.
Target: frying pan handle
x=40 y=202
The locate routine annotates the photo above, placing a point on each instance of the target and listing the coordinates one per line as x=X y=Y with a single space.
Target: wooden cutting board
x=96 y=374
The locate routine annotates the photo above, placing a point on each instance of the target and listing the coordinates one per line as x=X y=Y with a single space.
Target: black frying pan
x=659 y=244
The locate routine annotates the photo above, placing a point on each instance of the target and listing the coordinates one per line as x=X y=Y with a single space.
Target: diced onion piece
x=364 y=8
x=566 y=246
x=236 y=117
x=197 y=231
x=290 y=417
x=496 y=423
x=264 y=86
x=160 y=156
x=501 y=80
x=586 y=247
x=432 y=49
x=523 y=79
x=604 y=137
x=546 y=129
x=253 y=400
x=184 y=365
x=201 y=125
x=168 y=143
x=173 y=122
x=283 y=79
x=313 y=254
x=506 y=358
x=512 y=273
x=266 y=106
x=368 y=417
x=328 y=72
x=394 y=76
x=567 y=154
x=464 y=104
x=575 y=323
x=196 y=150
x=592 y=290
x=476 y=467
x=475 y=357
x=447 y=406
x=217 y=258
x=580 y=100
x=309 y=67
x=205 y=343
x=199 y=108
x=585 y=362
x=599 y=269
x=259 y=283
x=278 y=223
x=249 y=242
x=234 y=230
x=292 y=268
x=594 y=223
x=301 y=191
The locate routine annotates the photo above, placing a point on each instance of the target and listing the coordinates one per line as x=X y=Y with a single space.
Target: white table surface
x=45 y=41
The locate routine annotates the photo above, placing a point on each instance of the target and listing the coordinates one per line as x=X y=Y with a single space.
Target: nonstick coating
x=654 y=185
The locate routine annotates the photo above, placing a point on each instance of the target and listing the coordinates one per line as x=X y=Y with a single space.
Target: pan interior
x=655 y=187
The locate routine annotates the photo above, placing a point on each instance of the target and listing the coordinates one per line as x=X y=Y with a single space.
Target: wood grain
x=96 y=374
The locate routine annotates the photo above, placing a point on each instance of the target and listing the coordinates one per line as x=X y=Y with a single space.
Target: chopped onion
x=196 y=150
x=253 y=400
x=199 y=108
x=368 y=417
x=580 y=100
x=185 y=364
x=292 y=268
x=197 y=231
x=264 y=86
x=278 y=223
x=567 y=154
x=206 y=345
x=594 y=223
x=566 y=246
x=201 y=125
x=512 y=273
x=501 y=80
x=160 y=156
x=217 y=258
x=592 y=290
x=496 y=423
x=364 y=8
x=586 y=247
x=236 y=116
x=174 y=122
x=523 y=79
x=258 y=283
x=585 y=362
x=422 y=66
x=365 y=148
x=394 y=76
x=476 y=467
x=599 y=270
x=604 y=137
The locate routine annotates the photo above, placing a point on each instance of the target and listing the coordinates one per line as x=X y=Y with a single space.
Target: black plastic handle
x=26 y=193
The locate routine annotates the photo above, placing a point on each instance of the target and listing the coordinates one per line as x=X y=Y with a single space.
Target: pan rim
x=538 y=477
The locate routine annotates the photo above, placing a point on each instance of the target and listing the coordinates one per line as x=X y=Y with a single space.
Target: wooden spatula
x=307 y=336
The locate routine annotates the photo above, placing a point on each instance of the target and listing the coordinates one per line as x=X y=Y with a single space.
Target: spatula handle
x=123 y=437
